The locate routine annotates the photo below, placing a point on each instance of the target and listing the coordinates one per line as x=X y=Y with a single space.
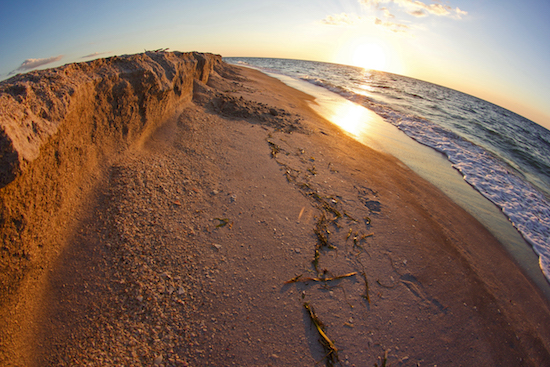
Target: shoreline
x=388 y=139
x=191 y=252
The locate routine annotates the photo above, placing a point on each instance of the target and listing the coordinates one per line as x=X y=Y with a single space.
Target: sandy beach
x=202 y=245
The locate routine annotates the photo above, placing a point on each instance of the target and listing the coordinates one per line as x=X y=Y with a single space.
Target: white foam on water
x=527 y=208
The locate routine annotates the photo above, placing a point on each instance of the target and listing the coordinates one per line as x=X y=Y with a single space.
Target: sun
x=369 y=56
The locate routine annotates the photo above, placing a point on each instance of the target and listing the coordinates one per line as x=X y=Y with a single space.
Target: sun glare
x=352 y=118
x=369 y=56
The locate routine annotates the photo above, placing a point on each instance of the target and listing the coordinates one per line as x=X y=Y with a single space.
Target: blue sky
x=495 y=50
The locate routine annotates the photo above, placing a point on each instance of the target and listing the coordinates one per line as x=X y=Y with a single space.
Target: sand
x=198 y=248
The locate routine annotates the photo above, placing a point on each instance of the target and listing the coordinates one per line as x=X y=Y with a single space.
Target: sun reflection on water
x=364 y=89
x=359 y=122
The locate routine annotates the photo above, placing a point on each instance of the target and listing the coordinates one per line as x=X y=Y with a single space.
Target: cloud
x=460 y=13
x=373 y=3
x=340 y=19
x=95 y=54
x=418 y=13
x=392 y=26
x=435 y=9
x=418 y=8
x=387 y=13
x=30 y=64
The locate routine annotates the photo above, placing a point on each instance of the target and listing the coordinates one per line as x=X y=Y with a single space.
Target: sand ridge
x=187 y=254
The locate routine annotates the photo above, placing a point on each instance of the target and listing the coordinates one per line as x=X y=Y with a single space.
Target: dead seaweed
x=328 y=216
x=360 y=238
x=332 y=210
x=321 y=230
x=384 y=360
x=223 y=222
x=275 y=149
x=315 y=261
x=366 y=295
x=331 y=356
x=320 y=279
x=350 y=217
x=291 y=174
x=294 y=280
x=325 y=204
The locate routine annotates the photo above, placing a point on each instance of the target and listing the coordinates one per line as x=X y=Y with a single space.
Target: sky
x=495 y=50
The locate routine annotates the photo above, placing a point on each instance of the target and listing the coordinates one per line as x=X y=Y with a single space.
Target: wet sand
x=202 y=245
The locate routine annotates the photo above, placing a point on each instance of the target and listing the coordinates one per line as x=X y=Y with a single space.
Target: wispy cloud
x=460 y=13
x=373 y=3
x=95 y=54
x=345 y=19
x=418 y=13
x=30 y=64
x=387 y=13
x=392 y=26
x=418 y=8
x=385 y=9
x=340 y=19
x=434 y=9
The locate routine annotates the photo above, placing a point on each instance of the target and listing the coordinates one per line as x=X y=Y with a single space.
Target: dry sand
x=183 y=254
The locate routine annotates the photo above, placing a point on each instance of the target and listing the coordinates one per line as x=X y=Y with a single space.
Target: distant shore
x=201 y=242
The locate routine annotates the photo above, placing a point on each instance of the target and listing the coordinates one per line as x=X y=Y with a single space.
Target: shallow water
x=505 y=157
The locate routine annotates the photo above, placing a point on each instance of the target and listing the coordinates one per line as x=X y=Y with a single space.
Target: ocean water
x=502 y=155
